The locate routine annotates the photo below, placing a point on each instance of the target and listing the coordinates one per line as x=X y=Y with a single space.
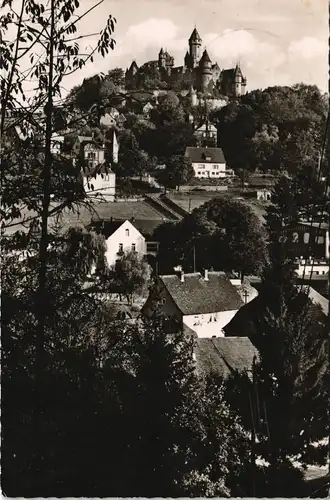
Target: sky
x=277 y=42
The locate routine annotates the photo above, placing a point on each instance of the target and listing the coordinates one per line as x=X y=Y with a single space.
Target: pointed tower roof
x=161 y=52
x=205 y=57
x=194 y=37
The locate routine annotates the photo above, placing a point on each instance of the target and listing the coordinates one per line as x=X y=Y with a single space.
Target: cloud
x=264 y=60
x=308 y=47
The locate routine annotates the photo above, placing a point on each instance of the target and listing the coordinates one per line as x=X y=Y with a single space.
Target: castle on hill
x=197 y=71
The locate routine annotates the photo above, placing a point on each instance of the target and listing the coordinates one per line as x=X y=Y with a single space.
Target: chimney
x=206 y=275
x=182 y=276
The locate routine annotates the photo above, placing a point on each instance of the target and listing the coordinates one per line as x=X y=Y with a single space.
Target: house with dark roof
x=122 y=237
x=250 y=319
x=204 y=303
x=223 y=356
x=207 y=162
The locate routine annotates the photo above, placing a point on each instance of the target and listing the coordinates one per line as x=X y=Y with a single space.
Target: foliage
x=168 y=111
x=277 y=129
x=131 y=274
x=185 y=437
x=222 y=234
x=132 y=161
x=168 y=140
x=177 y=172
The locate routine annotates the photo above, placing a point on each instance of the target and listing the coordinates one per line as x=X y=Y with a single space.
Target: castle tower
x=206 y=70
x=161 y=59
x=237 y=90
x=195 y=43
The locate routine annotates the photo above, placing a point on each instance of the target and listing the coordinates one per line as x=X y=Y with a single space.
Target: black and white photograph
x=165 y=209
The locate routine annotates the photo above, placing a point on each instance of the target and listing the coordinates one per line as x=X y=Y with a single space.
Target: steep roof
x=228 y=74
x=205 y=57
x=195 y=37
x=145 y=227
x=224 y=355
x=198 y=155
x=195 y=295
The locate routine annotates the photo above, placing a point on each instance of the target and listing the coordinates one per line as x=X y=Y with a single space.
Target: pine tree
x=285 y=404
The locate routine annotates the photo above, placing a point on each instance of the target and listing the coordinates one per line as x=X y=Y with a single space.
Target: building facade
x=197 y=70
x=208 y=163
x=202 y=304
x=125 y=238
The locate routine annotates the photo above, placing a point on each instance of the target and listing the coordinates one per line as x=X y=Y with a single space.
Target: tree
x=168 y=140
x=117 y=77
x=178 y=171
x=222 y=234
x=42 y=34
x=183 y=437
x=168 y=111
x=131 y=274
x=238 y=244
x=285 y=403
x=277 y=129
x=132 y=161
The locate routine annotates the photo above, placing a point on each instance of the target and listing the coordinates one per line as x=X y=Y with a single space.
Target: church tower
x=195 y=43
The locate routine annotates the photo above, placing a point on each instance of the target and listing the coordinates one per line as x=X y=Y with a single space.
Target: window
x=320 y=240
x=91 y=155
x=201 y=165
x=126 y=232
x=295 y=237
x=121 y=247
x=163 y=301
x=216 y=167
x=306 y=237
x=133 y=247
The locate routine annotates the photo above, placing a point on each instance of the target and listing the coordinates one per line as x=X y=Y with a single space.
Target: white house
x=203 y=304
x=207 y=162
x=123 y=237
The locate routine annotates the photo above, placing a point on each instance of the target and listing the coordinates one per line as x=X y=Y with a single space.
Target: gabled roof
x=195 y=295
x=224 y=355
x=198 y=155
x=145 y=226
